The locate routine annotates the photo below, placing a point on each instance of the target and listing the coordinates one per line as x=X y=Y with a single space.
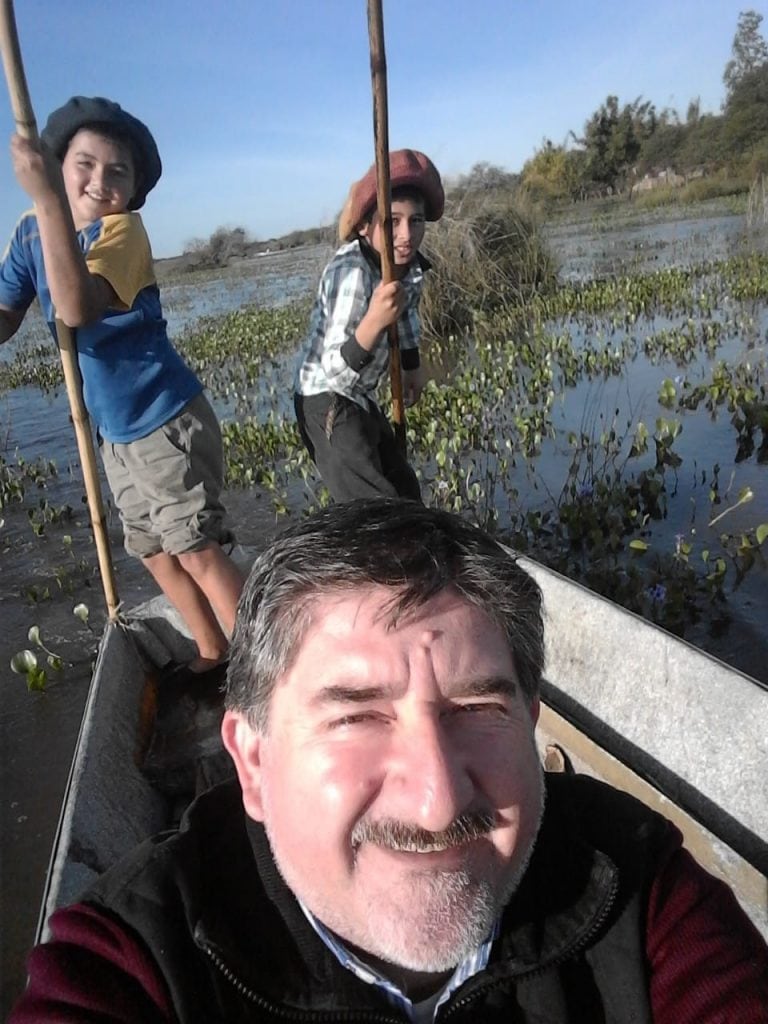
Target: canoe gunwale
x=678 y=790
x=64 y=824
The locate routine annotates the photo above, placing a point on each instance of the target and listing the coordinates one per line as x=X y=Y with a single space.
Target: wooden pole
x=27 y=127
x=384 y=205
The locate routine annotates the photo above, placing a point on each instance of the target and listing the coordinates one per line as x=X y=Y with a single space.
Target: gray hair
x=416 y=551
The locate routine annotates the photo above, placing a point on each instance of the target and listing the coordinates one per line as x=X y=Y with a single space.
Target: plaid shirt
x=342 y=299
x=472 y=964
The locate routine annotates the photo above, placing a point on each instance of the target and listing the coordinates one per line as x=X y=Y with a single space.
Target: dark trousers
x=354 y=449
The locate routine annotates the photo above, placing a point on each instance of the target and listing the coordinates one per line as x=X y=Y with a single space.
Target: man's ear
x=244 y=746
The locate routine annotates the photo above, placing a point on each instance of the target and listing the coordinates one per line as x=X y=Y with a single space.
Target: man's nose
x=428 y=780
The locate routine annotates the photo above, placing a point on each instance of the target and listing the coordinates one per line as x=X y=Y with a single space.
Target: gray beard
x=456 y=914
x=459 y=914
x=431 y=927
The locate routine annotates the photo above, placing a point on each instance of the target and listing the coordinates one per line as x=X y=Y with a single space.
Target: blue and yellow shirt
x=134 y=380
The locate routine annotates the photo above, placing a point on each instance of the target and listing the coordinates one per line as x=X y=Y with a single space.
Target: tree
x=485 y=177
x=224 y=244
x=552 y=172
x=749 y=50
x=612 y=140
x=662 y=149
x=746 y=112
x=597 y=140
x=702 y=144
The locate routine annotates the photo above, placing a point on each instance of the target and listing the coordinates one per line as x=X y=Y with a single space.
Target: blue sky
x=262 y=108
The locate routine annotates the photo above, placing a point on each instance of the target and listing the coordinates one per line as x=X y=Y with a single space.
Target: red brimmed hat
x=407 y=167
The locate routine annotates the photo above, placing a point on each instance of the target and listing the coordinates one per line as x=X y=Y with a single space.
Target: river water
x=42 y=577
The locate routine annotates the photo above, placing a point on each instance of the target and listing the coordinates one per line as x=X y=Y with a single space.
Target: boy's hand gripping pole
x=381 y=141
x=26 y=126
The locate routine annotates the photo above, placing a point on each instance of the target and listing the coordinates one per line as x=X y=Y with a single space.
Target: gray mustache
x=397 y=835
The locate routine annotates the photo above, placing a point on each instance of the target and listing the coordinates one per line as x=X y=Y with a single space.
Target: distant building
x=657 y=179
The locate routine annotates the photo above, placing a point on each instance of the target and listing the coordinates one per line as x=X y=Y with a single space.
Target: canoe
x=622 y=700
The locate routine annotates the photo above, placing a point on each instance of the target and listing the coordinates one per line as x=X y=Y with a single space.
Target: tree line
x=621 y=143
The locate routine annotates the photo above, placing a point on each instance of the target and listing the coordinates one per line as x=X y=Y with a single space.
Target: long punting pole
x=27 y=127
x=381 y=141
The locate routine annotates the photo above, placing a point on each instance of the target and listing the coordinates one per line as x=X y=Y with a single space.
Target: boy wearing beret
x=84 y=253
x=345 y=354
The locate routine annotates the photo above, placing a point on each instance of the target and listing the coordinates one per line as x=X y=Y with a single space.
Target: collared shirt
x=343 y=297
x=472 y=964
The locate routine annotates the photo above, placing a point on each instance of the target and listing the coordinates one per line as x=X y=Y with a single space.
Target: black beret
x=83 y=111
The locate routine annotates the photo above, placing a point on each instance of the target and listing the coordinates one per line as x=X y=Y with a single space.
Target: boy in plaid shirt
x=345 y=354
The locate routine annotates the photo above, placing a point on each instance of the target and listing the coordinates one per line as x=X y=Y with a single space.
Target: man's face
x=398 y=780
x=99 y=176
x=407 y=230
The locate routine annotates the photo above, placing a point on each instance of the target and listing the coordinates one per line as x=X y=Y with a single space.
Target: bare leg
x=193 y=606
x=219 y=579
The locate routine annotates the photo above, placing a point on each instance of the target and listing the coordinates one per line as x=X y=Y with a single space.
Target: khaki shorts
x=167 y=485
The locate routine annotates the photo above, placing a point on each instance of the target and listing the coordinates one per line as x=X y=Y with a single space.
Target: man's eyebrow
x=486 y=686
x=341 y=693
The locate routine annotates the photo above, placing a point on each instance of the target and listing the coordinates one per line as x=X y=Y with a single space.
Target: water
x=587 y=251
x=596 y=251
x=38 y=731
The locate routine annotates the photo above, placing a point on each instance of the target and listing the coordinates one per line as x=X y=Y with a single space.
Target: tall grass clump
x=487 y=253
x=757 y=202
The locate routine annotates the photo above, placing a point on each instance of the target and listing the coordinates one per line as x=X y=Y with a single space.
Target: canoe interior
x=141 y=755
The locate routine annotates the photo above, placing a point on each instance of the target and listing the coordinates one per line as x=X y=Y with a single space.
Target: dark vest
x=234 y=945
